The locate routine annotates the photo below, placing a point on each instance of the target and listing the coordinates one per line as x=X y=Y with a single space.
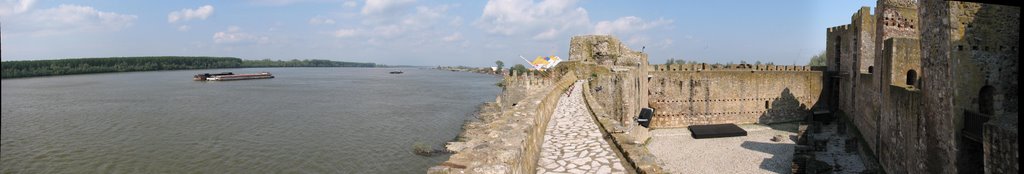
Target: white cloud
x=374 y=7
x=453 y=37
x=11 y=7
x=188 y=14
x=234 y=34
x=423 y=16
x=320 y=20
x=65 y=19
x=541 y=20
x=419 y=23
x=350 y=4
x=285 y=2
x=627 y=25
x=456 y=22
x=388 y=31
x=184 y=28
x=551 y=33
x=632 y=30
x=343 y=33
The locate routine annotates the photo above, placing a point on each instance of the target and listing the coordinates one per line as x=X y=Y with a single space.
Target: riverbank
x=38 y=68
x=508 y=135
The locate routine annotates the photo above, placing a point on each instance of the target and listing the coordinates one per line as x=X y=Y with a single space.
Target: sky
x=418 y=32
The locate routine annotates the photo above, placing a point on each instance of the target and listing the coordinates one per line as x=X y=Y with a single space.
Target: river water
x=306 y=120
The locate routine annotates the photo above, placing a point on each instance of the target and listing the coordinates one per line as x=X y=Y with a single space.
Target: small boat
x=396 y=72
x=231 y=76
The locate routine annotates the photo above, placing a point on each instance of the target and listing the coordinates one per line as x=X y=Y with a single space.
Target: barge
x=226 y=76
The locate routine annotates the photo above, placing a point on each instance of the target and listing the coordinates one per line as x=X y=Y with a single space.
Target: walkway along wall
x=508 y=136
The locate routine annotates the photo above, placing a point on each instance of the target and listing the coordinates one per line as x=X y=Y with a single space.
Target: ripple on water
x=308 y=120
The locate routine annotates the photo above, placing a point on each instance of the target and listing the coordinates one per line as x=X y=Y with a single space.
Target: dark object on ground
x=716 y=131
x=422 y=149
x=806 y=164
x=799 y=165
x=396 y=72
x=778 y=138
x=823 y=116
x=819 y=142
x=645 y=117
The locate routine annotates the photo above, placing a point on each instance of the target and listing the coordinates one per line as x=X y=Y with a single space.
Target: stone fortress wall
x=930 y=86
x=697 y=94
x=508 y=135
x=618 y=75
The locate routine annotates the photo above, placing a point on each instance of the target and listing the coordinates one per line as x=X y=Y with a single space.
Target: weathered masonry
x=930 y=86
x=697 y=94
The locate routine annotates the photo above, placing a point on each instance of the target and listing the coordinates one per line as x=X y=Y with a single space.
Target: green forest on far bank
x=33 y=68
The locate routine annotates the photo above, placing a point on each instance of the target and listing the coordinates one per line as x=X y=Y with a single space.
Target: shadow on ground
x=778 y=162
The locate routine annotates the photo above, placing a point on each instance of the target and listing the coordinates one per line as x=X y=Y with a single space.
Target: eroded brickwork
x=695 y=94
x=939 y=92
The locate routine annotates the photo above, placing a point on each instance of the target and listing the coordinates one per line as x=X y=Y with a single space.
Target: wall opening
x=911 y=77
x=986 y=100
x=972 y=154
x=839 y=51
x=871 y=69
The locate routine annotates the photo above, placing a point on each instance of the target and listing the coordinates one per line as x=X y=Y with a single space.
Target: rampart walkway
x=573 y=143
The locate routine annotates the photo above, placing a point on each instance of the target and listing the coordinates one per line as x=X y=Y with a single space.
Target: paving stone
x=604 y=169
x=574 y=142
x=559 y=169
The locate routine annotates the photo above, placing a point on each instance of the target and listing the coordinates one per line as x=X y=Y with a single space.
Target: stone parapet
x=629 y=143
x=507 y=140
x=719 y=67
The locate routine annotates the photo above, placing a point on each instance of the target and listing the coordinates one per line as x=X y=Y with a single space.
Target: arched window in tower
x=986 y=101
x=911 y=77
x=871 y=69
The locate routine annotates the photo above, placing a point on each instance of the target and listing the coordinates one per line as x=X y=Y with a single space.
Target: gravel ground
x=754 y=153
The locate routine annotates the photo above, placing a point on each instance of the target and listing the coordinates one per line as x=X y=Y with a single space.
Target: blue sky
x=417 y=32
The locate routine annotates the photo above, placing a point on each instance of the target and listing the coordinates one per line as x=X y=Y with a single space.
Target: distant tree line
x=678 y=61
x=817 y=59
x=303 y=63
x=33 y=68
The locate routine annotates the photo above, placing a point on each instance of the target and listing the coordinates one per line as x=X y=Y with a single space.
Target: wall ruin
x=696 y=94
x=941 y=73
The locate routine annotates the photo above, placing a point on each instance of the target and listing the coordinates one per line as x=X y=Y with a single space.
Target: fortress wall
x=963 y=56
x=682 y=98
x=984 y=41
x=900 y=148
x=508 y=136
x=617 y=74
x=865 y=116
x=527 y=162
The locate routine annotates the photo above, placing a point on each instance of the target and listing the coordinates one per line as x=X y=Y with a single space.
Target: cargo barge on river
x=226 y=76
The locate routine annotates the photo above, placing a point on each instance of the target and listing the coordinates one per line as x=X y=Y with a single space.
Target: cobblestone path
x=573 y=143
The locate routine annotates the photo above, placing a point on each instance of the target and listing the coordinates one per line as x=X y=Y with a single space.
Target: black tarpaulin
x=716 y=131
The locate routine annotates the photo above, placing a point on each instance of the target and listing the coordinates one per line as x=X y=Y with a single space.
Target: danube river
x=306 y=120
